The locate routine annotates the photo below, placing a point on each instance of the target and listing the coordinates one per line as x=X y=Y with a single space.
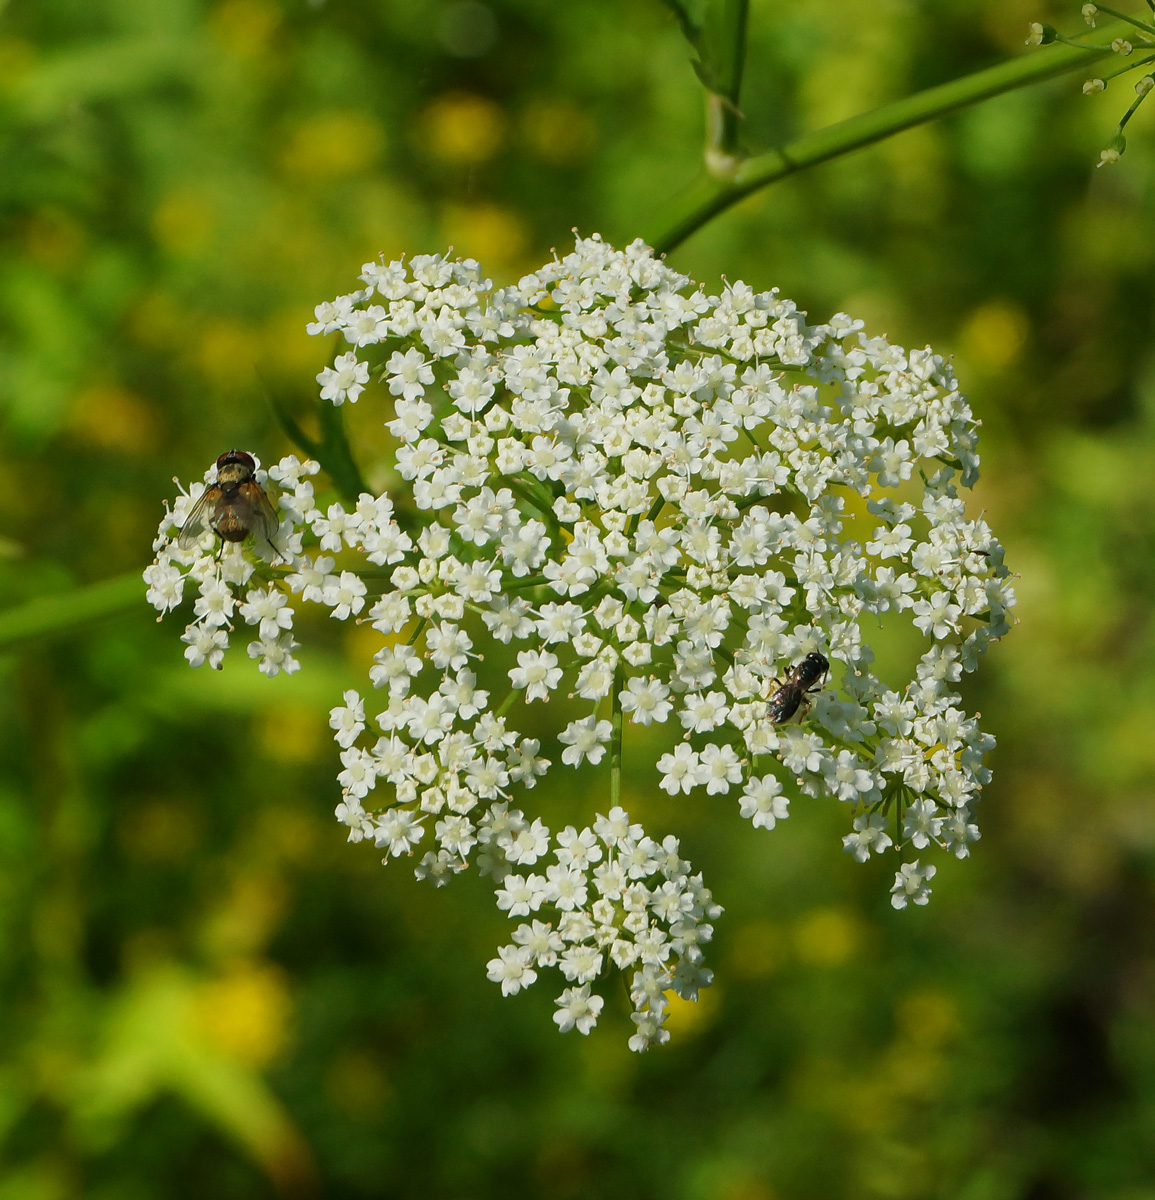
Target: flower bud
x=1113 y=152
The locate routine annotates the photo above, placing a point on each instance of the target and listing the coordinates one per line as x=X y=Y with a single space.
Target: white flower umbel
x=673 y=508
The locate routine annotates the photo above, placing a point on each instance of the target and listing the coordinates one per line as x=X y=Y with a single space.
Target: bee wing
x=197 y=521
x=265 y=522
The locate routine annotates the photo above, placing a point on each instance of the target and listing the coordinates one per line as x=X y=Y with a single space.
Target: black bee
x=802 y=681
x=234 y=506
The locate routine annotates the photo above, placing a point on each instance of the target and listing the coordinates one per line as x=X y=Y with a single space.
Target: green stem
x=690 y=31
x=1130 y=20
x=713 y=193
x=332 y=451
x=616 y=741
x=1131 y=111
x=49 y=615
x=335 y=454
x=1109 y=75
x=723 y=47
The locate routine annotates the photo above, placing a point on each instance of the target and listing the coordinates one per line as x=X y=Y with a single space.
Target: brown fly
x=234 y=506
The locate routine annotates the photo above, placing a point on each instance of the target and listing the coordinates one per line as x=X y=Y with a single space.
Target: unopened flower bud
x=1093 y=86
x=1122 y=46
x=1144 y=85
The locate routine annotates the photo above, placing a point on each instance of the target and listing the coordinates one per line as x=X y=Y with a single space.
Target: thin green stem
x=712 y=193
x=50 y=615
x=616 y=740
x=1130 y=20
x=1131 y=111
x=1142 y=62
x=520 y=487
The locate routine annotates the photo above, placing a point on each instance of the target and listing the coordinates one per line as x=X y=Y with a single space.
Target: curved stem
x=712 y=193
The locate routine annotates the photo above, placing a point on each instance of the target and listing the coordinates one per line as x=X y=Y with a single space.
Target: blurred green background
x=204 y=992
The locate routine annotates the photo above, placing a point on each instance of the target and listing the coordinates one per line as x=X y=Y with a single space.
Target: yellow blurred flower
x=244 y=27
x=184 y=222
x=247 y=916
x=17 y=60
x=995 y=334
x=363 y=641
x=158 y=322
x=692 y=1016
x=558 y=132
x=756 y=950
x=496 y=236
x=741 y=1185
x=112 y=417
x=292 y=733
x=225 y=353
x=462 y=128
x=928 y=1016
x=287 y=351
x=332 y=145
x=245 y=1012
x=827 y=937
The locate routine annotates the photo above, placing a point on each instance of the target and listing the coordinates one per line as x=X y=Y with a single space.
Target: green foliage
x=204 y=991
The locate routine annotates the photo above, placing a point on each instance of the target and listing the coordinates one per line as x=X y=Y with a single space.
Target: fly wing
x=265 y=519
x=198 y=519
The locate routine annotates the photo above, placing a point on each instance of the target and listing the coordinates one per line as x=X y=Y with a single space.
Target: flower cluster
x=650 y=504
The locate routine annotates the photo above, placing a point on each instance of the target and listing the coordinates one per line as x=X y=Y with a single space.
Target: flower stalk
x=617 y=720
x=714 y=191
